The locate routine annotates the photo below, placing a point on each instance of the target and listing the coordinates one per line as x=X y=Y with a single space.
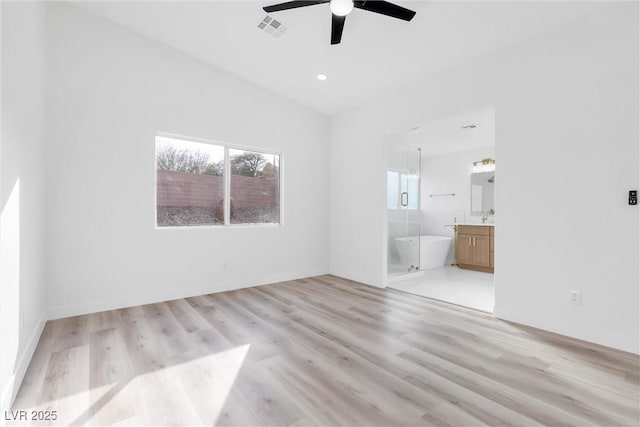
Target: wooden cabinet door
x=464 y=249
x=481 y=256
x=491 y=250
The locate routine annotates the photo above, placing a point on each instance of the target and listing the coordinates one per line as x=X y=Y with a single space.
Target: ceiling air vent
x=272 y=26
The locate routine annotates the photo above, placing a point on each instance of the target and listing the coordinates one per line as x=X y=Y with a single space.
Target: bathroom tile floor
x=473 y=289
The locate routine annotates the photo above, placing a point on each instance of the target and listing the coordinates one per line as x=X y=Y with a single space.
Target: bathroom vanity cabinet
x=474 y=247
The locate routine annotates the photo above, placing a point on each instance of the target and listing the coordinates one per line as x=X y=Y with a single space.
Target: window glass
x=413 y=188
x=403 y=190
x=392 y=190
x=189 y=183
x=255 y=187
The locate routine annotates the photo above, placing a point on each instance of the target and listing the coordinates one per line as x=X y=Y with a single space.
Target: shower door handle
x=404 y=198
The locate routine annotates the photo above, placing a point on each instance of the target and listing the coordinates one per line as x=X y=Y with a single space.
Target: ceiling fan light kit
x=341 y=8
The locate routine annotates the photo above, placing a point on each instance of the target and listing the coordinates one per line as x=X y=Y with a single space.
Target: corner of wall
x=22 y=364
x=22 y=187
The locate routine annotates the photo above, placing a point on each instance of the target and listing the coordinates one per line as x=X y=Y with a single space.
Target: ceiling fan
x=341 y=8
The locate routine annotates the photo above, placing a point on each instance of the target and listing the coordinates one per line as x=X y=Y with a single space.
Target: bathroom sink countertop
x=472 y=223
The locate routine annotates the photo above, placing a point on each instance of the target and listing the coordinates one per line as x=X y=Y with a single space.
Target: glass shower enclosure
x=403 y=208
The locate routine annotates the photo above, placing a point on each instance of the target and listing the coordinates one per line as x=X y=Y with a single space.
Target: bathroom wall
x=441 y=174
x=448 y=173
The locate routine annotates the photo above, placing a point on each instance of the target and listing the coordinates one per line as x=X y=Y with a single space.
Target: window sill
x=217 y=227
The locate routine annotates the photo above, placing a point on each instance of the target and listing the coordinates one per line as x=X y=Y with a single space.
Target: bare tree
x=184 y=160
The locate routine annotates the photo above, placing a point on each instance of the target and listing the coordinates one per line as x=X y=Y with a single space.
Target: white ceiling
x=377 y=53
x=446 y=135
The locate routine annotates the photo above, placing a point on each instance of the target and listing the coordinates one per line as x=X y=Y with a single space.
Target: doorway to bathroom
x=440 y=209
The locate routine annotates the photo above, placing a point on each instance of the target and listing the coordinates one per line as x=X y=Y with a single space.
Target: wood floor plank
x=213 y=374
x=142 y=346
x=482 y=409
x=508 y=396
x=221 y=323
x=185 y=314
x=171 y=336
x=316 y=346
x=321 y=351
x=71 y=332
x=266 y=400
x=66 y=385
x=308 y=382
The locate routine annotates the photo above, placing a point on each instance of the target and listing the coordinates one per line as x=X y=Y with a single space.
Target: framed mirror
x=482 y=186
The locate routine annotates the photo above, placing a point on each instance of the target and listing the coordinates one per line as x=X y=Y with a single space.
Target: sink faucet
x=485 y=215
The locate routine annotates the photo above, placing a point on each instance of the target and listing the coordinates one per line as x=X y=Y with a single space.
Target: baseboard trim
x=60 y=312
x=11 y=389
x=360 y=279
x=609 y=339
x=391 y=280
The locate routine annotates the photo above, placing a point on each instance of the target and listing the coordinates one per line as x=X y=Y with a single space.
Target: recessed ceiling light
x=322 y=77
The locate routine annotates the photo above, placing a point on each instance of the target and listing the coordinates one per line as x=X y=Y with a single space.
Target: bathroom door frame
x=388 y=140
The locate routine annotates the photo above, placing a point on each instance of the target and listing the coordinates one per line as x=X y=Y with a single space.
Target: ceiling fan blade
x=292 y=5
x=385 y=8
x=337 y=25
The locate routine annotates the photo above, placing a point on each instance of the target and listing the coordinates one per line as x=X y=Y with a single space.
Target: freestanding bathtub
x=433 y=250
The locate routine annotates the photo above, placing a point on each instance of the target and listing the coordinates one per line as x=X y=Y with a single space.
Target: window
x=393 y=189
x=255 y=192
x=197 y=182
x=403 y=190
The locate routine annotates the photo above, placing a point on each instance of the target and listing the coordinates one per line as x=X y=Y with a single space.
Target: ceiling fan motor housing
x=341 y=8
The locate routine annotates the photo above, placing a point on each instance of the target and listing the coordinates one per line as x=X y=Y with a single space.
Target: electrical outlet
x=575 y=297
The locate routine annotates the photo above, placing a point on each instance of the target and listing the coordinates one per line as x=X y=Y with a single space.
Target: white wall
x=111 y=92
x=22 y=144
x=566 y=104
x=444 y=174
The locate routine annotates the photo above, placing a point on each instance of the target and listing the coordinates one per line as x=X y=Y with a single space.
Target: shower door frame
x=411 y=217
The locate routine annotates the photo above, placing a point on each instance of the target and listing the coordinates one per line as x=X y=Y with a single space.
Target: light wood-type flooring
x=321 y=351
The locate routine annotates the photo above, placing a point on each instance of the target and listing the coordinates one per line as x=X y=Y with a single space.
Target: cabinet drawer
x=478 y=230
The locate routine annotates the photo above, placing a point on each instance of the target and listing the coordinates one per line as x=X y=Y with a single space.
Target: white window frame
x=226 y=183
